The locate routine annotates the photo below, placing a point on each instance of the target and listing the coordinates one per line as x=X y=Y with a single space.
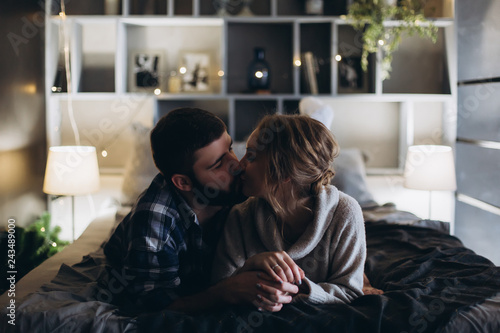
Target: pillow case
x=140 y=168
x=350 y=176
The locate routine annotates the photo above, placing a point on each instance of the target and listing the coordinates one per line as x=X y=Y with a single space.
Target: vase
x=258 y=72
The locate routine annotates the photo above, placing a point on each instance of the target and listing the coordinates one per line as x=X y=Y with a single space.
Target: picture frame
x=195 y=68
x=145 y=68
x=351 y=75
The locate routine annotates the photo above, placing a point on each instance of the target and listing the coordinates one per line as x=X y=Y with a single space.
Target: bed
x=432 y=282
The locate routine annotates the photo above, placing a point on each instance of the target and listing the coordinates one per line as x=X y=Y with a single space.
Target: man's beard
x=207 y=195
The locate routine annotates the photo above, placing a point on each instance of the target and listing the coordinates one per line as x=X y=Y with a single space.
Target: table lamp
x=430 y=168
x=71 y=171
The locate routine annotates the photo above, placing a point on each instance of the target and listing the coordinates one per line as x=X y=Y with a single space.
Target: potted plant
x=383 y=22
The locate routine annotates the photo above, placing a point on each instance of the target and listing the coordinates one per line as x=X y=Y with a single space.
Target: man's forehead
x=213 y=150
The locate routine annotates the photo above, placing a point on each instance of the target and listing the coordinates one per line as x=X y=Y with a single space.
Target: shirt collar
x=186 y=213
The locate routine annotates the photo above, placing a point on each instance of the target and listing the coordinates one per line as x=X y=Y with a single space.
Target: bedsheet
x=432 y=283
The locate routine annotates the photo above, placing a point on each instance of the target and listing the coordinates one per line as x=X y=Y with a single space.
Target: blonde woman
x=296 y=228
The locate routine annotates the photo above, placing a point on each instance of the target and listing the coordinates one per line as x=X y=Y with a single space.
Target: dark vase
x=258 y=71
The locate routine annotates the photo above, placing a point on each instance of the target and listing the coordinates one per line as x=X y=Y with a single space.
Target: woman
x=296 y=227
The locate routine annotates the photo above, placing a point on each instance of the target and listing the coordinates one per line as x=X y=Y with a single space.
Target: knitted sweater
x=331 y=251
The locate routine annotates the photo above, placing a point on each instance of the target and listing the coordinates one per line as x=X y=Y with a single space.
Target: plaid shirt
x=161 y=248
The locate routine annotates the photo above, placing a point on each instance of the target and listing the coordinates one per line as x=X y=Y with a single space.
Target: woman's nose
x=243 y=163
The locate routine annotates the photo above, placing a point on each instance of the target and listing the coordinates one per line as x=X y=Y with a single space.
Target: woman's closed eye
x=250 y=155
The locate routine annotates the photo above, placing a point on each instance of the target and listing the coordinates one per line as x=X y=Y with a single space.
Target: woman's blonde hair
x=297 y=148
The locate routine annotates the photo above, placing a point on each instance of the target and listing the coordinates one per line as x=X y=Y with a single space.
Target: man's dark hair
x=178 y=134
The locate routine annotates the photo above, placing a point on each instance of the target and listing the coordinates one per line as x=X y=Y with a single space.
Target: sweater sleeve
x=348 y=254
x=230 y=254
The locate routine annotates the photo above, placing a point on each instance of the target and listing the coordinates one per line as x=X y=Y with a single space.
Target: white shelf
x=174 y=34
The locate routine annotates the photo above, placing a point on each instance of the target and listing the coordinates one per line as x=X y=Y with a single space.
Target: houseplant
x=383 y=22
x=33 y=245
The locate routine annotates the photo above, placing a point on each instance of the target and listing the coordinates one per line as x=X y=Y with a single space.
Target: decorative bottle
x=258 y=72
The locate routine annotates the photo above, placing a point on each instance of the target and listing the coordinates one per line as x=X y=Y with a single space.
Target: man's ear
x=182 y=182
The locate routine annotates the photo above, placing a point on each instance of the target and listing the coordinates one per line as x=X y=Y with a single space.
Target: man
x=165 y=245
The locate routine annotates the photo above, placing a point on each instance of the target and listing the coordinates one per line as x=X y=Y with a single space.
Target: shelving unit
x=101 y=62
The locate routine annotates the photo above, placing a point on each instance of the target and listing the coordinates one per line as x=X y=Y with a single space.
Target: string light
x=65 y=37
x=338 y=57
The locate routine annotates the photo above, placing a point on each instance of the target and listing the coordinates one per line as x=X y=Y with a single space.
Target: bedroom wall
x=478 y=123
x=22 y=115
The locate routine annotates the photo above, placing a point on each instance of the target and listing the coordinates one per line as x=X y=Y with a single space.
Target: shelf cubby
x=234 y=9
x=94 y=61
x=168 y=38
x=248 y=113
x=290 y=106
x=183 y=7
x=276 y=39
x=419 y=67
x=315 y=38
x=351 y=79
x=88 y=7
x=148 y=7
x=297 y=8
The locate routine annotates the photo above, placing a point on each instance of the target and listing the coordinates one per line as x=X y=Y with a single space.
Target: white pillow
x=139 y=168
x=316 y=109
x=240 y=149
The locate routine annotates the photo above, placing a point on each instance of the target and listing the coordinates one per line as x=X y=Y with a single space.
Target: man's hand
x=258 y=289
x=277 y=265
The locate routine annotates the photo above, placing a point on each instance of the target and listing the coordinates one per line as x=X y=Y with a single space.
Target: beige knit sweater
x=331 y=251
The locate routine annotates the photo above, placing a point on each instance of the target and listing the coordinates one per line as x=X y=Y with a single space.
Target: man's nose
x=235 y=167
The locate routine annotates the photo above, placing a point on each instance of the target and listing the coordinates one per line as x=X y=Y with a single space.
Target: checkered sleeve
x=153 y=255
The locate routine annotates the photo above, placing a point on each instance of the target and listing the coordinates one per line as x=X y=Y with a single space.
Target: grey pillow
x=350 y=176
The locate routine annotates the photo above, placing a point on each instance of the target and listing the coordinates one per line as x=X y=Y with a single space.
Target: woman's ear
x=182 y=182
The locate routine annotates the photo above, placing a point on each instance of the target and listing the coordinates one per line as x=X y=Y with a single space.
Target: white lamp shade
x=71 y=170
x=430 y=168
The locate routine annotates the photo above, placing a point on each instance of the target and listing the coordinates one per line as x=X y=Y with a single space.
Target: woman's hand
x=278 y=265
x=255 y=288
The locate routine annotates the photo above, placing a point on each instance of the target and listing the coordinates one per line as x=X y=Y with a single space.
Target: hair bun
x=327 y=176
x=323 y=180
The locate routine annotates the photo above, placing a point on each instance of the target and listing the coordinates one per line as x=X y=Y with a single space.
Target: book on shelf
x=310 y=72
